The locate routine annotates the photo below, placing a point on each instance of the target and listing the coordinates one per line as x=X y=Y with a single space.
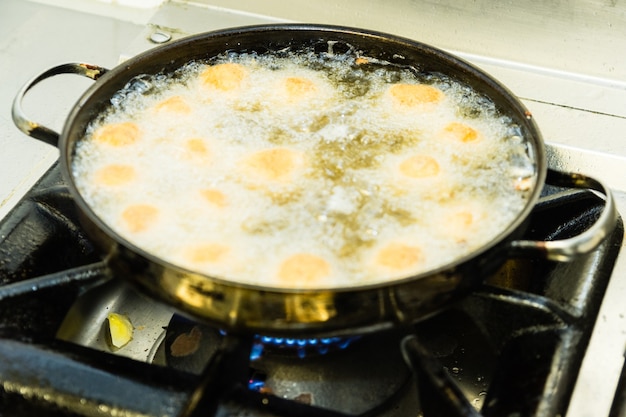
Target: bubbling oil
x=304 y=169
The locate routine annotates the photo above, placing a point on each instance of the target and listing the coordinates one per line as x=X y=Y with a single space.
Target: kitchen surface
x=562 y=59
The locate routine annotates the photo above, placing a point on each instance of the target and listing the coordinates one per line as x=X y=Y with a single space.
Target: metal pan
x=238 y=307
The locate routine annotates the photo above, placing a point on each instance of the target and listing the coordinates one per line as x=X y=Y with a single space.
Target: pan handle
x=37 y=130
x=566 y=250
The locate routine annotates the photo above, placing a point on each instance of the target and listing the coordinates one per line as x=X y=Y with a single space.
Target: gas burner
x=325 y=380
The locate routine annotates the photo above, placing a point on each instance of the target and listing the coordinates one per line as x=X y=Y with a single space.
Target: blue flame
x=256 y=385
x=302 y=347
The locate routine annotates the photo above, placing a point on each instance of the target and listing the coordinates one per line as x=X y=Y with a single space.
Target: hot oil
x=305 y=156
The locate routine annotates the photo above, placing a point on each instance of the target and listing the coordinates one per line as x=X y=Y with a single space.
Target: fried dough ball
x=224 y=77
x=419 y=166
x=523 y=183
x=461 y=132
x=174 y=104
x=415 y=95
x=215 y=197
x=114 y=175
x=206 y=253
x=197 y=149
x=276 y=165
x=303 y=269
x=461 y=219
x=298 y=88
x=117 y=134
x=399 y=256
x=459 y=222
x=140 y=217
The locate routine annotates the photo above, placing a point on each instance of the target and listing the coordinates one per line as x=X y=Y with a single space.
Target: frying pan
x=279 y=311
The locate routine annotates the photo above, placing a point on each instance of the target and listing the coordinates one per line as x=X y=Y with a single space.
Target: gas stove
x=512 y=347
x=538 y=339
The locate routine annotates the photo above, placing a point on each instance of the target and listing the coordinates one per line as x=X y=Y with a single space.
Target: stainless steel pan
x=238 y=307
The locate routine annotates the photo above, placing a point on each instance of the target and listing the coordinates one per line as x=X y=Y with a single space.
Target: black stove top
x=512 y=347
